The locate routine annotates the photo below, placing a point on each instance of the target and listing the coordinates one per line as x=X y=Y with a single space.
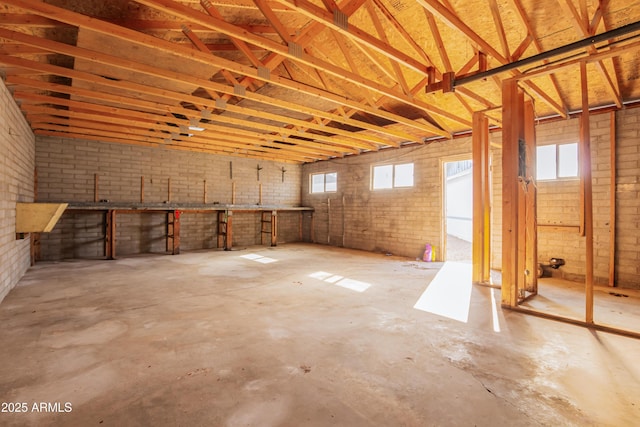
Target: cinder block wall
x=17 y=161
x=401 y=221
x=398 y=221
x=559 y=201
x=67 y=170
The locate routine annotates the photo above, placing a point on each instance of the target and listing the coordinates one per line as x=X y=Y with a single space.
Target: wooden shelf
x=38 y=217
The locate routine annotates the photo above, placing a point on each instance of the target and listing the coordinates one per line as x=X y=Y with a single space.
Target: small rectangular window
x=392 y=176
x=324 y=182
x=557 y=161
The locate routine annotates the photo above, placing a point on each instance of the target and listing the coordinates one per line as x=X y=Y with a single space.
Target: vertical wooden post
x=512 y=100
x=274 y=228
x=110 y=234
x=586 y=187
x=222 y=229
x=169 y=190
x=300 y=224
x=531 y=222
x=229 y=239
x=173 y=232
x=312 y=227
x=233 y=193
x=204 y=195
x=481 y=223
x=95 y=188
x=34 y=244
x=612 y=202
x=142 y=189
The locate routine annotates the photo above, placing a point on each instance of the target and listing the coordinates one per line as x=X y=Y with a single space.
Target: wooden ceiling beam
x=58 y=123
x=126 y=34
x=502 y=36
x=178 y=77
x=597 y=16
x=319 y=15
x=400 y=29
x=239 y=134
x=171 y=146
x=435 y=32
x=399 y=77
x=452 y=20
x=273 y=19
x=531 y=33
x=148 y=119
x=174 y=98
x=33 y=110
x=582 y=26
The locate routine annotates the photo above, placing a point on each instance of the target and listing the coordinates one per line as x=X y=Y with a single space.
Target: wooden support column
x=95 y=188
x=233 y=193
x=481 y=201
x=169 y=190
x=110 y=234
x=204 y=192
x=512 y=135
x=586 y=191
x=612 y=202
x=300 y=225
x=222 y=229
x=274 y=228
x=173 y=232
x=142 y=189
x=229 y=239
x=312 y=232
x=530 y=208
x=35 y=237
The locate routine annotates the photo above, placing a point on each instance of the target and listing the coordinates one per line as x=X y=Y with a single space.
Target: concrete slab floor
x=297 y=335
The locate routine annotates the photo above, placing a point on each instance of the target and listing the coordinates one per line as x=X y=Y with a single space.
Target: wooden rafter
x=495 y=13
x=399 y=77
x=530 y=31
x=582 y=26
x=435 y=32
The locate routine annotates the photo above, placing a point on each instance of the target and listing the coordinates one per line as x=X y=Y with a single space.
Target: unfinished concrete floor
x=297 y=335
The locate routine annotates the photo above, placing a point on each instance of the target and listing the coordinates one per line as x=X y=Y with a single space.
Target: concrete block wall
x=17 y=162
x=559 y=201
x=67 y=170
x=398 y=221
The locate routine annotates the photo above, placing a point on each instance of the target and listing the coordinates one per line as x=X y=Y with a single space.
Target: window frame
x=324 y=182
x=393 y=184
x=557 y=176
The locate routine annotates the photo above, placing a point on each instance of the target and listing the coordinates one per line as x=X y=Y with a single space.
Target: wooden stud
x=513 y=99
x=173 y=231
x=95 y=188
x=612 y=201
x=531 y=231
x=274 y=228
x=228 y=243
x=204 y=192
x=481 y=223
x=169 y=190
x=142 y=189
x=586 y=189
x=110 y=234
x=233 y=193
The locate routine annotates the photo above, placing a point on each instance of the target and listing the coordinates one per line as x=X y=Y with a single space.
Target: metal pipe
x=589 y=41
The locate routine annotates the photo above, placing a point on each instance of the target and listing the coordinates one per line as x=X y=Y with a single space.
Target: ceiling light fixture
x=194 y=124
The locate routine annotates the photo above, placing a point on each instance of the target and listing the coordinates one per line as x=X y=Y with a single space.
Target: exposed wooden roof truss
x=298 y=80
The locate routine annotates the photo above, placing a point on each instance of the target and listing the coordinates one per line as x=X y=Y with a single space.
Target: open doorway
x=458 y=210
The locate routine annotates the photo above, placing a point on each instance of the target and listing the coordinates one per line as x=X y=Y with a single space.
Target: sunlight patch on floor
x=259 y=258
x=449 y=293
x=354 y=285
